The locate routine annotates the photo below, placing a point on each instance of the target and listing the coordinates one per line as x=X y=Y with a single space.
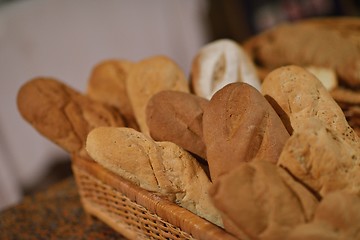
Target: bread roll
x=107 y=84
x=297 y=95
x=219 y=63
x=259 y=200
x=238 y=125
x=149 y=77
x=62 y=114
x=320 y=157
x=336 y=217
x=331 y=44
x=177 y=117
x=161 y=167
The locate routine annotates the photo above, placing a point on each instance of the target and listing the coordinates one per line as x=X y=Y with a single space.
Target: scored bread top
x=62 y=114
x=238 y=125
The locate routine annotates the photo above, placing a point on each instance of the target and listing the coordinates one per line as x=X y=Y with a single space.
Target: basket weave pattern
x=125 y=212
x=135 y=212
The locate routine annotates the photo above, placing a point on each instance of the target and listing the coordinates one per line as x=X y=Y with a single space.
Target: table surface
x=55 y=213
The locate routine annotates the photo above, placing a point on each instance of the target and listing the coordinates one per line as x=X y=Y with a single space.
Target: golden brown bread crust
x=349 y=101
x=323 y=150
x=107 y=84
x=320 y=158
x=62 y=114
x=308 y=43
x=261 y=201
x=177 y=117
x=336 y=217
x=297 y=95
x=161 y=167
x=149 y=77
x=238 y=125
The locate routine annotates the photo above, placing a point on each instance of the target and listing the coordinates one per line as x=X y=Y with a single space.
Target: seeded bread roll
x=62 y=114
x=177 y=117
x=331 y=43
x=107 y=84
x=219 y=63
x=259 y=200
x=149 y=77
x=238 y=125
x=161 y=167
x=337 y=217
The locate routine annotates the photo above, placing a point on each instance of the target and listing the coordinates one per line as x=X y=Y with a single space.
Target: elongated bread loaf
x=259 y=200
x=238 y=125
x=107 y=84
x=177 y=117
x=62 y=114
x=161 y=167
x=149 y=77
x=296 y=95
x=331 y=43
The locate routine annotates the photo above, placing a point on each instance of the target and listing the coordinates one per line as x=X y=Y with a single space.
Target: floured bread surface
x=149 y=77
x=259 y=200
x=131 y=155
x=219 y=63
x=337 y=217
x=297 y=95
x=320 y=157
x=177 y=117
x=161 y=167
x=62 y=114
x=238 y=125
x=185 y=173
x=107 y=84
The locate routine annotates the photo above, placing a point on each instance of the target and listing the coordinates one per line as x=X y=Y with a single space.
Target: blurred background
x=65 y=39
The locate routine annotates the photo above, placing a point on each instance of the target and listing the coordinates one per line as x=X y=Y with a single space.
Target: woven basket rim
x=196 y=226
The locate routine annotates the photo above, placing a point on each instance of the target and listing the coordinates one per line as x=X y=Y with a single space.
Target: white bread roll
x=220 y=63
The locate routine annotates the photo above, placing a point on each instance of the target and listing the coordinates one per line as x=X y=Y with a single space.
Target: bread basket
x=134 y=212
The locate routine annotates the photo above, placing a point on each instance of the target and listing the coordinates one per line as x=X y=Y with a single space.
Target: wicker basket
x=135 y=212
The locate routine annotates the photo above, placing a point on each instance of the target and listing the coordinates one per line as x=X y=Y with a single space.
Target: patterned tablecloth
x=53 y=214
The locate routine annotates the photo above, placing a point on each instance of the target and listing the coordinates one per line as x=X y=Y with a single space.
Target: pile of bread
x=264 y=156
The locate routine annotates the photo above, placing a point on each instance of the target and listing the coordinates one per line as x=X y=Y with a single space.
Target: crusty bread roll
x=331 y=43
x=161 y=167
x=336 y=217
x=107 y=84
x=149 y=77
x=62 y=114
x=259 y=200
x=238 y=125
x=219 y=63
x=297 y=95
x=320 y=157
x=177 y=117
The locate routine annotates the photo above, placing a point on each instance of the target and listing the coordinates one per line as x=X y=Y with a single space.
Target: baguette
x=62 y=114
